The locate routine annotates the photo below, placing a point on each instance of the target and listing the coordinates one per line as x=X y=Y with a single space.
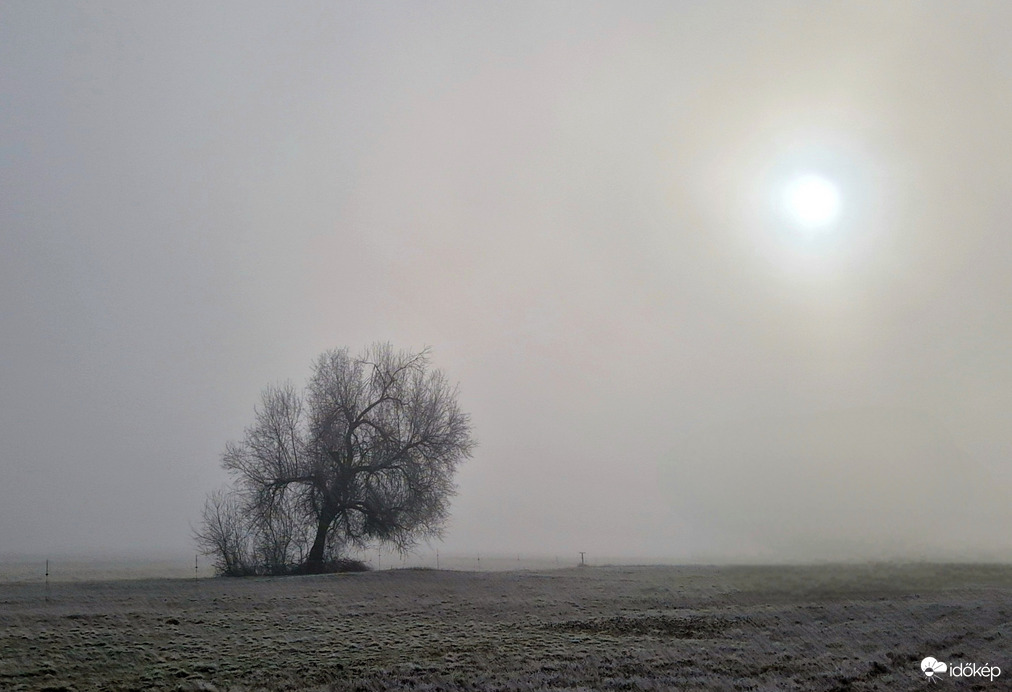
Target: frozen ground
x=610 y=628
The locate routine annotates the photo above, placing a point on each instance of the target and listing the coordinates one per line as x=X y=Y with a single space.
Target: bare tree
x=368 y=454
x=225 y=534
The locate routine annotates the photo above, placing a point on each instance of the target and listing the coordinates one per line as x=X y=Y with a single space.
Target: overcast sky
x=580 y=207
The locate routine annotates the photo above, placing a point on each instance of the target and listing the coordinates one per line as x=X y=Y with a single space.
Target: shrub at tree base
x=342 y=565
x=366 y=455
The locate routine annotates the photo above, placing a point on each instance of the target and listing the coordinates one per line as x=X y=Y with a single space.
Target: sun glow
x=811 y=201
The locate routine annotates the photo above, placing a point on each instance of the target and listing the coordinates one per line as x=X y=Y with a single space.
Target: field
x=829 y=627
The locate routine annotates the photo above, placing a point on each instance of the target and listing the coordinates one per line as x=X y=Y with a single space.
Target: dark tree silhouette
x=367 y=454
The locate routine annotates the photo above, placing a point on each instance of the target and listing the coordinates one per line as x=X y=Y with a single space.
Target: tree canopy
x=366 y=453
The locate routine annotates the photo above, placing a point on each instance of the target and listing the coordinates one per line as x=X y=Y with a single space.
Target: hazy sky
x=579 y=207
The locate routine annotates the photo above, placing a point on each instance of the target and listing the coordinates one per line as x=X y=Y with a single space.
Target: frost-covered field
x=661 y=628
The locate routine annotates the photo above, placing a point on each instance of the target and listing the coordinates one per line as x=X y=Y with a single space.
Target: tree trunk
x=314 y=563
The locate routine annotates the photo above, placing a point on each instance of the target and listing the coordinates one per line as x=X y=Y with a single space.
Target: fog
x=576 y=206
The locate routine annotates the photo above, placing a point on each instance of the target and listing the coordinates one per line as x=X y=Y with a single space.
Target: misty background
x=570 y=203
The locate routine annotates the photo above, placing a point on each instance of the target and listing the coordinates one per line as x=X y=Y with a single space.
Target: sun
x=811 y=201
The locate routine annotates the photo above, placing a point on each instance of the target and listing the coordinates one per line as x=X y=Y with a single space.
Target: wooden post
x=582 y=563
x=437 y=559
x=47 y=581
x=194 y=569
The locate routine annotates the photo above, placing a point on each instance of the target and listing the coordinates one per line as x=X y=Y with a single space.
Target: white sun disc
x=812 y=201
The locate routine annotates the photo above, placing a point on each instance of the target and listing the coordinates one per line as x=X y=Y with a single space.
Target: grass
x=616 y=628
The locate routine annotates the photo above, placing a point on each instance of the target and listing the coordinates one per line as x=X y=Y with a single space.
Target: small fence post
x=582 y=563
x=47 y=581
